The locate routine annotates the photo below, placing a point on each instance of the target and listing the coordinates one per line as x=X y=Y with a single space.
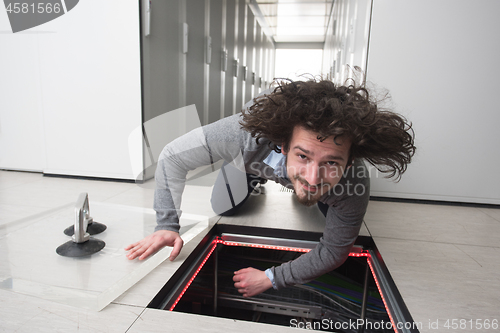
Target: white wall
x=440 y=61
x=21 y=140
x=71 y=91
x=346 y=42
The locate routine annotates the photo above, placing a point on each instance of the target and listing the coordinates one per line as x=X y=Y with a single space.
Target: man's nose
x=312 y=174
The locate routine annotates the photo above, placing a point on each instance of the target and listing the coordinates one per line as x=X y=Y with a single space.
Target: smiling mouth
x=309 y=188
x=306 y=187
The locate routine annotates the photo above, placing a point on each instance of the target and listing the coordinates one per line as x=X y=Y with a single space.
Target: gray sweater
x=226 y=140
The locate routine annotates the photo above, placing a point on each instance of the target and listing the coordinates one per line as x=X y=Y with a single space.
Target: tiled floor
x=445 y=260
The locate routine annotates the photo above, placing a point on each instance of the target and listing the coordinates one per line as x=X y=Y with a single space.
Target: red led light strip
x=382 y=295
x=215 y=242
x=281 y=248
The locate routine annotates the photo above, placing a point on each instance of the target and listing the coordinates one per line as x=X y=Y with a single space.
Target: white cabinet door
x=90 y=69
x=84 y=78
x=439 y=60
x=21 y=139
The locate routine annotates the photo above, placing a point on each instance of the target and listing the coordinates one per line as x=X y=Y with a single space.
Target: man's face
x=315 y=167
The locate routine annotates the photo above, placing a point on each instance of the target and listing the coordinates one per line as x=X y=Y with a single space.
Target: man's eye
x=331 y=163
x=302 y=157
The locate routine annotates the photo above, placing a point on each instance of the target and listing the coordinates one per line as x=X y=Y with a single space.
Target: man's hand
x=153 y=243
x=250 y=281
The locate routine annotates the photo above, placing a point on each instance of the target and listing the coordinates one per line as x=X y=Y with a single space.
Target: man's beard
x=306 y=200
x=305 y=197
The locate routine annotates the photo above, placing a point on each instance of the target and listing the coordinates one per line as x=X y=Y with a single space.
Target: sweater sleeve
x=223 y=139
x=343 y=222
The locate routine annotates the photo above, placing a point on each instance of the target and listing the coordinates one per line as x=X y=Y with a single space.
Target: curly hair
x=383 y=138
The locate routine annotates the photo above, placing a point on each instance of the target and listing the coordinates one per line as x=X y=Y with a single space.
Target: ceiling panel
x=296 y=20
x=304 y=9
x=305 y=21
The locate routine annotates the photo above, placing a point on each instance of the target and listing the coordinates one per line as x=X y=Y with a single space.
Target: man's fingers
x=135 y=253
x=178 y=243
x=153 y=243
x=141 y=249
x=244 y=293
x=131 y=246
x=241 y=271
x=132 y=253
x=145 y=254
x=250 y=281
x=147 y=251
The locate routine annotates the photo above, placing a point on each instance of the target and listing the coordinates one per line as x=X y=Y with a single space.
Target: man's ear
x=284 y=149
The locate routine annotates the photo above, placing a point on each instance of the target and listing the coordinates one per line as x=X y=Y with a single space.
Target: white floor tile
x=50 y=192
x=10 y=179
x=26 y=314
x=10 y=213
x=492 y=212
x=434 y=223
x=154 y=321
x=440 y=282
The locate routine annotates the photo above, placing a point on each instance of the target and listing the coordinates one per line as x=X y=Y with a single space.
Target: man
x=311 y=136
